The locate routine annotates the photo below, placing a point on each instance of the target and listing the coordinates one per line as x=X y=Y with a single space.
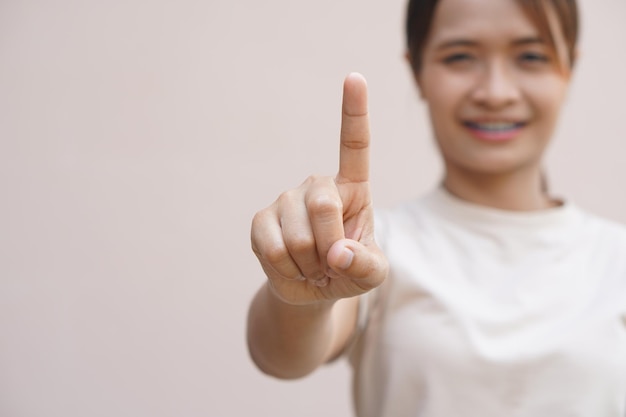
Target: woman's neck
x=521 y=190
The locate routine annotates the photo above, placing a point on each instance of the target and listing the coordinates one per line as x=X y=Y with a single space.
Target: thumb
x=354 y=260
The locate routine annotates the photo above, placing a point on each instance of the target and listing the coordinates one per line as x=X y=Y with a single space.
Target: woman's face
x=493 y=86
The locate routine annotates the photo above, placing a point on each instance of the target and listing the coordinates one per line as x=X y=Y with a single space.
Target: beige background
x=138 y=138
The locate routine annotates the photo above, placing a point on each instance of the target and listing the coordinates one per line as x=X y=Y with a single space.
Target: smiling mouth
x=494 y=126
x=495 y=131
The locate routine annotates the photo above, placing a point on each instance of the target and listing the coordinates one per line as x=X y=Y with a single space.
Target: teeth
x=495 y=126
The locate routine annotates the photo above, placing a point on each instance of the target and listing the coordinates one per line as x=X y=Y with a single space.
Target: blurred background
x=137 y=140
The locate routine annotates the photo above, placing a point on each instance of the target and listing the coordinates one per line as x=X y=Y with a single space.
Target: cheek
x=445 y=90
x=443 y=95
x=546 y=98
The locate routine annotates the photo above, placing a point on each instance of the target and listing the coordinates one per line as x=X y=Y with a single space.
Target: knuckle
x=301 y=243
x=315 y=183
x=285 y=198
x=275 y=254
x=313 y=179
x=325 y=205
x=290 y=200
x=258 y=222
x=355 y=137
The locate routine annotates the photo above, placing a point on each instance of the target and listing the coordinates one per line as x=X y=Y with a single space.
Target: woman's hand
x=316 y=242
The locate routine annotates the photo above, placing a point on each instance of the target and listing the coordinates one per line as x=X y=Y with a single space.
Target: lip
x=494 y=134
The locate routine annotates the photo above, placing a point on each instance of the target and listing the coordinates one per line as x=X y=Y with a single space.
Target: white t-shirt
x=491 y=313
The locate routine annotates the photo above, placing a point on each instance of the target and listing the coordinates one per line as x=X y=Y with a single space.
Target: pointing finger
x=355 y=132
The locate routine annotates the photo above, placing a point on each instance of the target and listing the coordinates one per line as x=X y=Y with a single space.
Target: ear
x=576 y=57
x=416 y=78
x=568 y=68
x=574 y=62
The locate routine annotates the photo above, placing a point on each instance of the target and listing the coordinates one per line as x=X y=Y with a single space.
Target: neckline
x=456 y=209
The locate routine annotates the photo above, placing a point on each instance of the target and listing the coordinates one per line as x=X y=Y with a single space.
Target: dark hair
x=420 y=14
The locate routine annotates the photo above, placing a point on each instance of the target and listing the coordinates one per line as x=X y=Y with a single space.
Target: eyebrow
x=456 y=42
x=530 y=40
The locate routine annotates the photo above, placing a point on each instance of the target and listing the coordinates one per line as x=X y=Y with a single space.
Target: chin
x=495 y=166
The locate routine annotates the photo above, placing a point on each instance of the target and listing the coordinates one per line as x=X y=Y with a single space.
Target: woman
x=486 y=297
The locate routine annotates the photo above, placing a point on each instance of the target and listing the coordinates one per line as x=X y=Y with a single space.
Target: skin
x=316 y=243
x=316 y=246
x=485 y=61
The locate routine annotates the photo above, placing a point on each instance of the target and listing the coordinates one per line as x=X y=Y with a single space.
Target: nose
x=496 y=87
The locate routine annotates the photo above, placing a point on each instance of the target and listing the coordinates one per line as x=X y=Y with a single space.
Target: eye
x=534 y=58
x=458 y=58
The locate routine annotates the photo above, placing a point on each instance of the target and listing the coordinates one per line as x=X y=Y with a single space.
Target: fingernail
x=321 y=282
x=345 y=259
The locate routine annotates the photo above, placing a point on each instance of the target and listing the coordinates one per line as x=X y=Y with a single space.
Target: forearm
x=288 y=341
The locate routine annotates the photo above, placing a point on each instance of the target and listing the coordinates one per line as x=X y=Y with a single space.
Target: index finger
x=355 y=131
